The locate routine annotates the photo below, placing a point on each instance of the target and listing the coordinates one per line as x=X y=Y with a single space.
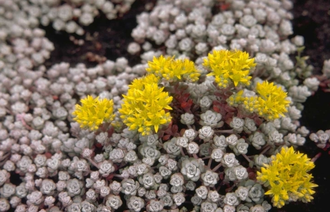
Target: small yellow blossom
x=173 y=70
x=229 y=67
x=287 y=177
x=236 y=98
x=144 y=106
x=272 y=101
x=140 y=83
x=159 y=65
x=251 y=103
x=93 y=111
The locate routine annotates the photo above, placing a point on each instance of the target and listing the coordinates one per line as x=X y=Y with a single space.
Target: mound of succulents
x=207 y=121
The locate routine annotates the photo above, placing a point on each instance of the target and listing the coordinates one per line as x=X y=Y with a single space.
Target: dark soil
x=104 y=38
x=311 y=20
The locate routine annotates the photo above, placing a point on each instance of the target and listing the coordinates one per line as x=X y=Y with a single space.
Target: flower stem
x=266 y=148
x=217 y=167
x=21 y=118
x=209 y=163
x=93 y=162
x=224 y=131
x=246 y=157
x=182 y=152
x=316 y=157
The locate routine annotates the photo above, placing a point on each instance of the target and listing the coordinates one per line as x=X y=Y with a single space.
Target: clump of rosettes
x=229 y=67
x=173 y=70
x=93 y=112
x=144 y=107
x=287 y=177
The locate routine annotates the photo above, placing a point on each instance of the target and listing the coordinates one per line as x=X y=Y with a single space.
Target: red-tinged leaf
x=221 y=176
x=169 y=128
x=258 y=121
x=252 y=174
x=182 y=131
x=184 y=105
x=98 y=145
x=228 y=189
x=48 y=155
x=110 y=131
x=109 y=178
x=187 y=105
x=185 y=97
x=166 y=137
x=216 y=108
x=175 y=129
x=229 y=108
x=228 y=119
x=224 y=6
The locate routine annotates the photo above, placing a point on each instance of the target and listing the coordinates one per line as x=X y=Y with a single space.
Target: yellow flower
x=287 y=177
x=140 y=83
x=251 y=103
x=159 y=65
x=92 y=112
x=272 y=101
x=173 y=70
x=236 y=98
x=144 y=106
x=229 y=67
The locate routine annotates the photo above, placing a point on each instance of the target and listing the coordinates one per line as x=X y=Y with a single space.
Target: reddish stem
x=316 y=157
x=21 y=118
x=217 y=167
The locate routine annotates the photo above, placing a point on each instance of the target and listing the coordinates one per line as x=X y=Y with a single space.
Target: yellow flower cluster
x=287 y=177
x=229 y=67
x=144 y=106
x=271 y=102
x=173 y=70
x=93 y=111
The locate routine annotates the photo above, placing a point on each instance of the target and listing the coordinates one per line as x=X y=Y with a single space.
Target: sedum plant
x=287 y=177
x=188 y=136
x=189 y=130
